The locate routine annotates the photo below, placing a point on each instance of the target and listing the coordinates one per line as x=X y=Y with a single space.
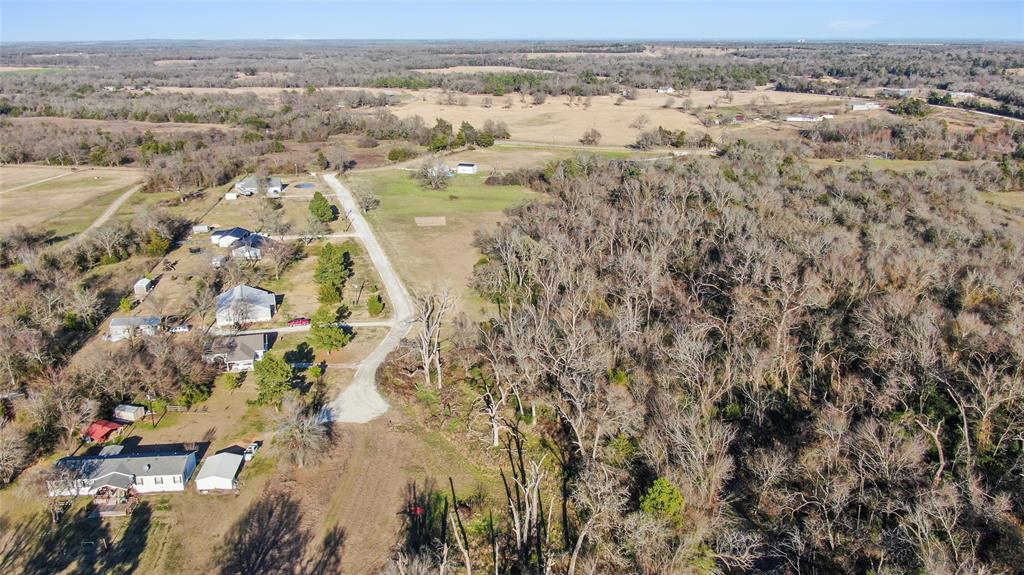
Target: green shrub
x=663 y=500
x=375 y=305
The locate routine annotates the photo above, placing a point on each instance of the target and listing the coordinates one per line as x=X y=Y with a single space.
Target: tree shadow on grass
x=270 y=538
x=36 y=546
x=425 y=513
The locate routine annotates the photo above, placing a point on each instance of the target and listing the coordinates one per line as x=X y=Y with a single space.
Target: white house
x=896 y=92
x=227 y=238
x=237 y=353
x=803 y=118
x=245 y=304
x=218 y=472
x=112 y=470
x=126 y=327
x=143 y=286
x=861 y=106
x=250 y=247
x=465 y=168
x=129 y=412
x=271 y=187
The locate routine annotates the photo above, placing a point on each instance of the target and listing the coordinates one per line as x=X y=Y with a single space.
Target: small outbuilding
x=218 y=262
x=465 y=168
x=128 y=412
x=201 y=229
x=218 y=472
x=143 y=286
x=101 y=430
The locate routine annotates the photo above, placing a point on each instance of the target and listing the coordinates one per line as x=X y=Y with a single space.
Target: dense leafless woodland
x=746 y=365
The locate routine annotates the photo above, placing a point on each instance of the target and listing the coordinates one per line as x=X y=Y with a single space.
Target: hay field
x=118 y=126
x=556 y=122
x=33 y=197
x=477 y=70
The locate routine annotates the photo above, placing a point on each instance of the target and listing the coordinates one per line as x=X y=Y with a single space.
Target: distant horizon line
x=782 y=40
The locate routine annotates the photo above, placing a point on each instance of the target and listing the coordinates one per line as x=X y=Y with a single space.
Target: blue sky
x=54 y=20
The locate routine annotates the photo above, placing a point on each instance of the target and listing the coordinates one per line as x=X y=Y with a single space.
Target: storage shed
x=128 y=412
x=465 y=168
x=218 y=472
x=143 y=286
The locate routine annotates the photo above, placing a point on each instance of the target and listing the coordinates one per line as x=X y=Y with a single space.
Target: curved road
x=360 y=402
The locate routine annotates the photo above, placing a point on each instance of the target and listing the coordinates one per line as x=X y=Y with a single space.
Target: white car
x=184 y=328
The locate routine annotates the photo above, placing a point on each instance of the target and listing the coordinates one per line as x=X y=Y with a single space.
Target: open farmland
x=65 y=200
x=557 y=122
x=432 y=257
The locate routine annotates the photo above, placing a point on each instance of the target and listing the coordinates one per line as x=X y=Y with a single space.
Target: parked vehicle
x=299 y=321
x=183 y=328
x=250 y=451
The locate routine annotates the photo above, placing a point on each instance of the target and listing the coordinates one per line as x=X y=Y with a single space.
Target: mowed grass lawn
x=431 y=257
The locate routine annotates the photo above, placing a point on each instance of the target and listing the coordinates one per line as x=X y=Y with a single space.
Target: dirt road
x=112 y=209
x=360 y=402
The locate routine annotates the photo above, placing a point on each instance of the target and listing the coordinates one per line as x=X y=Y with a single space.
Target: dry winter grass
x=67 y=204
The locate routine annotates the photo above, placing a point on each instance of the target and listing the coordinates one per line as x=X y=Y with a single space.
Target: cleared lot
x=34 y=196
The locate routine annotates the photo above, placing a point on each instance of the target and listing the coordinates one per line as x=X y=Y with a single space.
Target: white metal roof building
x=218 y=472
x=245 y=304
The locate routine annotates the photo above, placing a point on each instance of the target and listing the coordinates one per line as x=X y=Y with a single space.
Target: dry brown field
x=34 y=196
x=476 y=70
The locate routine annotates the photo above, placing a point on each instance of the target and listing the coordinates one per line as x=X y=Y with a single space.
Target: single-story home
x=271 y=187
x=861 y=106
x=245 y=304
x=139 y=472
x=803 y=118
x=237 y=353
x=127 y=327
x=128 y=412
x=101 y=430
x=226 y=238
x=218 y=472
x=143 y=286
x=250 y=247
x=896 y=92
x=465 y=168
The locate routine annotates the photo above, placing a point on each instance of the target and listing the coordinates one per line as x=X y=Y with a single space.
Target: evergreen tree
x=273 y=378
x=325 y=333
x=321 y=209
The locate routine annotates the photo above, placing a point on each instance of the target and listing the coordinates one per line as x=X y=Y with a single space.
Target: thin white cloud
x=851 y=25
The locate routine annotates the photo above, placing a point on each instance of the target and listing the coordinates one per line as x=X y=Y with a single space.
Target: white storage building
x=219 y=472
x=128 y=412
